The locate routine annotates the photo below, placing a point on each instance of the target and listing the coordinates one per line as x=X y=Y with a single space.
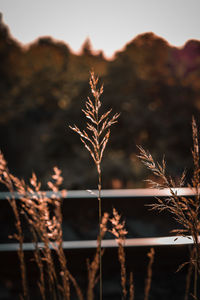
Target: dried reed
x=189 y=273
x=150 y=254
x=119 y=231
x=6 y=179
x=95 y=141
x=184 y=210
x=44 y=217
x=93 y=267
x=131 y=287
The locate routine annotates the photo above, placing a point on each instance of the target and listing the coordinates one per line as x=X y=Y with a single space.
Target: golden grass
x=44 y=217
x=119 y=231
x=149 y=274
x=95 y=139
x=184 y=210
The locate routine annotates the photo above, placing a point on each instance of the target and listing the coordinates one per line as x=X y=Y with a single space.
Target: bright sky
x=110 y=24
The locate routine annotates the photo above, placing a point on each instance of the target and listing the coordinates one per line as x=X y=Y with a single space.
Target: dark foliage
x=155 y=86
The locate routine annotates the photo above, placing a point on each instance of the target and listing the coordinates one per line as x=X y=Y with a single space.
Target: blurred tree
x=156 y=105
x=86 y=48
x=155 y=86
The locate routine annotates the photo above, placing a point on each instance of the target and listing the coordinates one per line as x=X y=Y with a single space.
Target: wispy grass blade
x=95 y=140
x=184 y=210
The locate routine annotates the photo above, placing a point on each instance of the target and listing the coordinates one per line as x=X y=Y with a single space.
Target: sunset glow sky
x=110 y=24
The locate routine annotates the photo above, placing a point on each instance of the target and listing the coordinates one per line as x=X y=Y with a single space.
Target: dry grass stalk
x=48 y=228
x=38 y=260
x=35 y=206
x=95 y=140
x=93 y=267
x=58 y=238
x=44 y=218
x=6 y=179
x=119 y=231
x=131 y=287
x=184 y=210
x=149 y=274
x=189 y=273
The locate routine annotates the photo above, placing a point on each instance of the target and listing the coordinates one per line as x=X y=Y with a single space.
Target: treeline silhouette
x=154 y=85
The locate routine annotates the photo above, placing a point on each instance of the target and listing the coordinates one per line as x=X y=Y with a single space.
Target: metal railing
x=117 y=193
x=137 y=242
x=111 y=194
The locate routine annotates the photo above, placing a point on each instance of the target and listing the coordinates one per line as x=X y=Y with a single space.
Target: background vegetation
x=154 y=85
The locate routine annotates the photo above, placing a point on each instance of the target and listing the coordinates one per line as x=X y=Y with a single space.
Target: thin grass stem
x=95 y=141
x=100 y=239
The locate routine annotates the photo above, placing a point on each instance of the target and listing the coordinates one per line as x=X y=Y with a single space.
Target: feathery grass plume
x=57 y=234
x=119 y=231
x=95 y=140
x=36 y=208
x=34 y=205
x=44 y=217
x=150 y=254
x=184 y=210
x=7 y=180
x=93 y=267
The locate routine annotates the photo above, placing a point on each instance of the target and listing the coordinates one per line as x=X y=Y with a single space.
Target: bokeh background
x=152 y=81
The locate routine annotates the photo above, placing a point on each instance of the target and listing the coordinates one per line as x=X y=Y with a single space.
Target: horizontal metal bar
x=115 y=193
x=137 y=242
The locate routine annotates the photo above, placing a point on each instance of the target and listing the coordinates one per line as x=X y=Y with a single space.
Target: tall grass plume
x=95 y=139
x=184 y=210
